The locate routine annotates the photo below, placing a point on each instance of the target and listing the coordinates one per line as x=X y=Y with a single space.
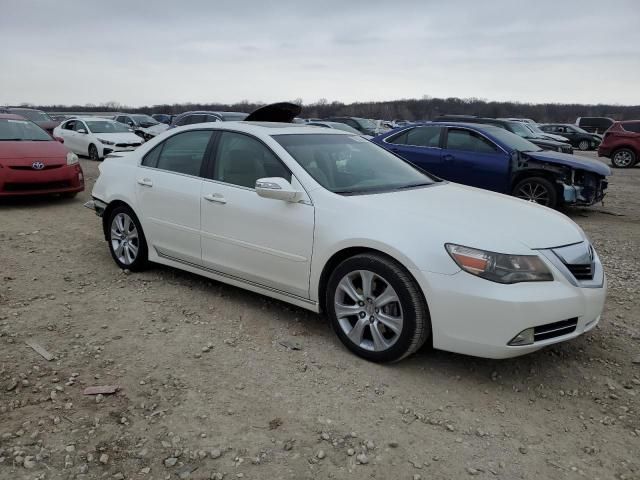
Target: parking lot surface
x=217 y=382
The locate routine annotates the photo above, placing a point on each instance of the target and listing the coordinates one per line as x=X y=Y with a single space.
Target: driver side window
x=241 y=160
x=81 y=126
x=469 y=141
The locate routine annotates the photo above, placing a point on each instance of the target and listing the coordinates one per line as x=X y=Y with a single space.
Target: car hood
x=573 y=161
x=276 y=112
x=155 y=129
x=124 y=137
x=48 y=125
x=454 y=213
x=16 y=152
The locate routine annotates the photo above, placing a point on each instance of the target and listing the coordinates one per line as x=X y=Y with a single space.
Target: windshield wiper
x=412 y=185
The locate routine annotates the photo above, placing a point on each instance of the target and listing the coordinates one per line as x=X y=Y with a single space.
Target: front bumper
x=98 y=206
x=473 y=316
x=63 y=179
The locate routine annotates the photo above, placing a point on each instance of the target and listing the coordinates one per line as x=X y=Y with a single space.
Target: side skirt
x=165 y=259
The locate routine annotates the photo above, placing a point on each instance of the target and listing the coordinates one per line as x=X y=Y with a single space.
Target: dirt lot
x=217 y=382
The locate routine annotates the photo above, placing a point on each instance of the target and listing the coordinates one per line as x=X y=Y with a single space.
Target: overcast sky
x=166 y=51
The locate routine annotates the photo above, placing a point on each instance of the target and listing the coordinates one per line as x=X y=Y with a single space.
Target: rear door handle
x=145 y=182
x=215 y=197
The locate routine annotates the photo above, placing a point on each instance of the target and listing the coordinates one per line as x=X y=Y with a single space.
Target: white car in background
x=96 y=137
x=333 y=223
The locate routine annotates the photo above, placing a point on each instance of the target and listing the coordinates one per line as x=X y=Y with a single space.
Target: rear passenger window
x=419 y=137
x=151 y=158
x=632 y=127
x=181 y=153
x=469 y=141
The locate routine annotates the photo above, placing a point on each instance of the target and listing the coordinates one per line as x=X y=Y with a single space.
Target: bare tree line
x=406 y=109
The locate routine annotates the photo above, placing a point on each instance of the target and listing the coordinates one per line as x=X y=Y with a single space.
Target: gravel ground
x=217 y=382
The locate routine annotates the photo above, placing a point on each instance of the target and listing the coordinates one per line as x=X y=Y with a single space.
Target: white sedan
x=96 y=137
x=332 y=223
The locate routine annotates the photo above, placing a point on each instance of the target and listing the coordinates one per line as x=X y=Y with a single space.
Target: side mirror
x=277 y=188
x=82 y=130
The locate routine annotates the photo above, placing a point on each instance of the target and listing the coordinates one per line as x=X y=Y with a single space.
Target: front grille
x=581 y=272
x=556 y=329
x=29 y=167
x=567 y=149
x=34 y=187
x=124 y=145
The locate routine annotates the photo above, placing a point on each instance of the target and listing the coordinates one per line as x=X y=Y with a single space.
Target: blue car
x=492 y=158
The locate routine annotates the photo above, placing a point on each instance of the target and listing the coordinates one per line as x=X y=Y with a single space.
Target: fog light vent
x=525 y=337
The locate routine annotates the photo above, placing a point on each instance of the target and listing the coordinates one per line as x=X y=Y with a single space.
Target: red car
x=621 y=143
x=32 y=162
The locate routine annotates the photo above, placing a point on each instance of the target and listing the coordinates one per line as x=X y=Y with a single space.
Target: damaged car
x=495 y=159
x=142 y=125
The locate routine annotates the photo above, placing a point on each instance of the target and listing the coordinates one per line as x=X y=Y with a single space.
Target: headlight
x=72 y=158
x=500 y=267
x=106 y=142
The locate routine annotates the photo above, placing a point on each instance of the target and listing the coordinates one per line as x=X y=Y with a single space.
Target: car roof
x=91 y=118
x=11 y=116
x=267 y=128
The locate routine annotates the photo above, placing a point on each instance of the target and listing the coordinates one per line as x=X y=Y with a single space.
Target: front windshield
x=511 y=140
x=366 y=123
x=349 y=164
x=344 y=127
x=21 y=130
x=144 y=120
x=521 y=130
x=106 y=126
x=33 y=115
x=535 y=129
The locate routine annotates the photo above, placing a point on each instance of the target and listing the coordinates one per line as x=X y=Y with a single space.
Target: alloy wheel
x=623 y=158
x=534 y=192
x=125 y=240
x=368 y=310
x=93 y=153
x=583 y=145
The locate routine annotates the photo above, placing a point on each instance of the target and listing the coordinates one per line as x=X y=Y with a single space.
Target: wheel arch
x=346 y=252
x=107 y=213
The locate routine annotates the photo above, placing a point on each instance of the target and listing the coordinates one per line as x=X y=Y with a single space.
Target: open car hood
x=283 y=112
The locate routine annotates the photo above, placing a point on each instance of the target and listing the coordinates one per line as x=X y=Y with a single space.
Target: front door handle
x=215 y=197
x=145 y=182
x=448 y=157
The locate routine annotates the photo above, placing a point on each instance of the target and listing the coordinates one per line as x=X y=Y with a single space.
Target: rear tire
x=127 y=243
x=536 y=190
x=93 y=153
x=376 y=308
x=624 y=158
x=584 y=145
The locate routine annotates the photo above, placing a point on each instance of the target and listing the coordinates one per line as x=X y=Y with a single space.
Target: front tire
x=127 y=243
x=536 y=190
x=93 y=153
x=376 y=308
x=623 y=158
x=583 y=145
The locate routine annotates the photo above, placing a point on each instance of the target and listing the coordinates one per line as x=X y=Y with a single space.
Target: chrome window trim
x=410 y=127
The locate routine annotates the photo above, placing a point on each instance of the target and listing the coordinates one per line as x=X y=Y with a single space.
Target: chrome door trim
x=298 y=298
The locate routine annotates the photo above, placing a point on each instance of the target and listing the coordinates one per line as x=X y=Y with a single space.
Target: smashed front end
x=583 y=188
